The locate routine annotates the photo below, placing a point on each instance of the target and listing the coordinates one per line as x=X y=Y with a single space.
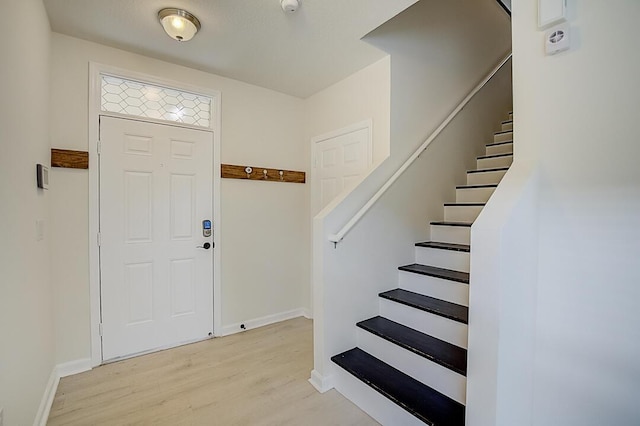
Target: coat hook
x=281 y=173
x=248 y=170
x=265 y=174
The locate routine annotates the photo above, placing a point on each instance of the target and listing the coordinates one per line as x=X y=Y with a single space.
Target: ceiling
x=249 y=40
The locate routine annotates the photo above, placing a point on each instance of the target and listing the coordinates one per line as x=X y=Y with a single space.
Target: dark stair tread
x=507 y=121
x=432 y=305
x=447 y=355
x=432 y=271
x=496 y=169
x=420 y=400
x=499 y=143
x=488 y=185
x=503 y=132
x=445 y=223
x=507 y=154
x=465 y=204
x=445 y=246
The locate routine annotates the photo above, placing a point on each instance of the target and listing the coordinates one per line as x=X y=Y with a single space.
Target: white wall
x=582 y=322
x=439 y=52
x=264 y=256
x=26 y=319
x=506 y=228
x=363 y=95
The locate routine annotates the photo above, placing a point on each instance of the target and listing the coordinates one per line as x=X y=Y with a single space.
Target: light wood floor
x=258 y=377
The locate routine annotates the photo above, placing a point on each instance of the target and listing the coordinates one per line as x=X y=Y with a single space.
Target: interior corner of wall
x=48 y=396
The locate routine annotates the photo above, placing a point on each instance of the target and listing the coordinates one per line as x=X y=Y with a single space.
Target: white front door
x=340 y=162
x=156 y=277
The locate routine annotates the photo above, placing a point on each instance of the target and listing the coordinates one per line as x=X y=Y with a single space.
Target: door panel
x=341 y=162
x=155 y=191
x=182 y=205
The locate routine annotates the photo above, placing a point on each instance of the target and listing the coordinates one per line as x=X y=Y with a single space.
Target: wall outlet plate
x=556 y=40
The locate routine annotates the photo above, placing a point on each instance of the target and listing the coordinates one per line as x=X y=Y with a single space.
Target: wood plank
x=230 y=171
x=258 y=377
x=69 y=159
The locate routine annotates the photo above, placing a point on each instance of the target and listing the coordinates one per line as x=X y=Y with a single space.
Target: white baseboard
x=266 y=320
x=47 y=399
x=307 y=313
x=59 y=371
x=73 y=367
x=321 y=383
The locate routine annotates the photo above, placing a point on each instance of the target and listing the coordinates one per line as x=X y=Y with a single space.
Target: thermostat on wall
x=42 y=175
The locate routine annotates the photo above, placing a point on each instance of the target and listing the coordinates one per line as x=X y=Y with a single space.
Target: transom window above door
x=138 y=99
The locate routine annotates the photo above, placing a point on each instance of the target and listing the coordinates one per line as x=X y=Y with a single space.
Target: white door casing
x=155 y=191
x=340 y=161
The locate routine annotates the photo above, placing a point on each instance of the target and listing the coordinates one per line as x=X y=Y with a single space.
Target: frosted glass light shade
x=179 y=24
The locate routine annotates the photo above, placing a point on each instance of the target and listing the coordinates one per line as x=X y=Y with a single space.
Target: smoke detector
x=290 y=6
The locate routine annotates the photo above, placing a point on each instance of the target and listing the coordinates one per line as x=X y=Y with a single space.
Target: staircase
x=411 y=361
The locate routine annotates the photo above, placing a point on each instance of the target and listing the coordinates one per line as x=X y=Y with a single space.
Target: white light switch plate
x=551 y=12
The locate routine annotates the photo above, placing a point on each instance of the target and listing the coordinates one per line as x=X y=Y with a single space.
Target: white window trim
x=95 y=87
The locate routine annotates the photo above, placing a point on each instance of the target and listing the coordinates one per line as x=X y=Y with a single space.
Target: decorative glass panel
x=145 y=100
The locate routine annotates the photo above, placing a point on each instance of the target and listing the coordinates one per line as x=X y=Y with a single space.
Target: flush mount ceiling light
x=178 y=23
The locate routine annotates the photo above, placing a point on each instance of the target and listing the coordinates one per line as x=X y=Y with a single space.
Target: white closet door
x=340 y=163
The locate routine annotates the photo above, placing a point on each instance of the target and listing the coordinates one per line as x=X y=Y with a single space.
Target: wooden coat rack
x=230 y=171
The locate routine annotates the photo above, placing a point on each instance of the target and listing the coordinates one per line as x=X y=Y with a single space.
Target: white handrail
x=336 y=238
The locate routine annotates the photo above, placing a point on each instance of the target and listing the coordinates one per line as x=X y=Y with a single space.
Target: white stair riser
x=448 y=259
x=511 y=116
x=451 y=234
x=502 y=137
x=506 y=148
x=474 y=195
x=372 y=402
x=434 y=375
x=461 y=213
x=485 y=178
x=495 y=162
x=451 y=291
x=507 y=126
x=434 y=325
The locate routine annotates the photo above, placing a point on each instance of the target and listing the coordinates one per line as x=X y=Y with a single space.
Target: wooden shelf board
x=69 y=159
x=230 y=171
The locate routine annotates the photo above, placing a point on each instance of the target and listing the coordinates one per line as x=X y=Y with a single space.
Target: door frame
x=95 y=71
x=362 y=125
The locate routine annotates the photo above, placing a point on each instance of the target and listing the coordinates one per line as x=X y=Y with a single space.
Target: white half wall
x=506 y=228
x=574 y=360
x=27 y=347
x=439 y=52
x=265 y=254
